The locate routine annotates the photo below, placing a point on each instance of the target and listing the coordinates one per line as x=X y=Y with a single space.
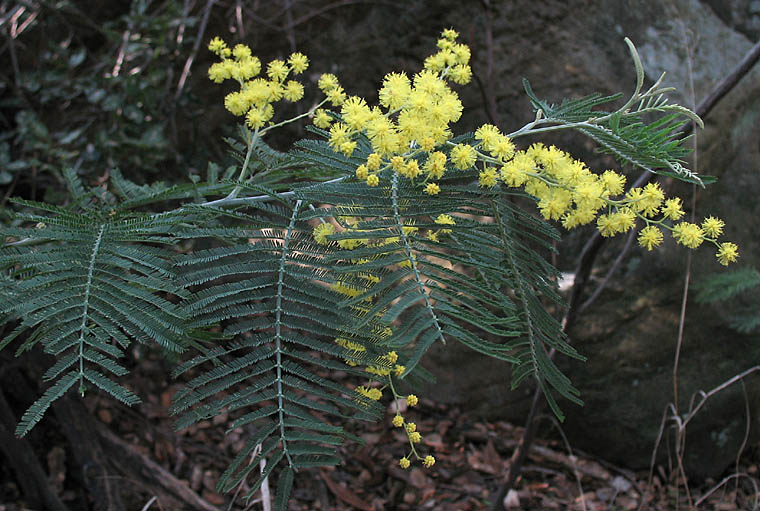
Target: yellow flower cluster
x=257 y=94
x=411 y=121
x=567 y=191
x=414 y=436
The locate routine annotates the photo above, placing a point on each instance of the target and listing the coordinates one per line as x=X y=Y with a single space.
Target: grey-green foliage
x=85 y=282
x=88 y=279
x=653 y=145
x=263 y=308
x=739 y=288
x=482 y=284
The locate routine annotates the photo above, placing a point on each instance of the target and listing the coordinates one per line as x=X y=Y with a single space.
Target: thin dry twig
x=120 y=57
x=572 y=458
x=618 y=262
x=149 y=503
x=196 y=47
x=727 y=479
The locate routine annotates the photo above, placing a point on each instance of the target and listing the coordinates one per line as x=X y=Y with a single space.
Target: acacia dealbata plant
x=381 y=234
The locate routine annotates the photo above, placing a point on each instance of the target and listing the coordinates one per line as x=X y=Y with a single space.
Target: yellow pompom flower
x=412 y=400
x=450 y=34
x=374 y=161
x=322 y=119
x=362 y=172
x=373 y=180
x=555 y=203
x=435 y=166
x=712 y=226
x=613 y=182
x=398 y=421
x=688 y=234
x=217 y=73
x=404 y=463
x=397 y=162
x=411 y=427
x=249 y=67
x=328 y=82
x=503 y=148
x=415 y=437
x=429 y=461
x=432 y=189
x=588 y=194
x=463 y=156
x=672 y=209
x=651 y=199
x=461 y=53
x=322 y=231
x=488 y=178
x=650 y=237
x=623 y=220
x=257 y=117
x=395 y=90
x=293 y=91
x=217 y=45
x=298 y=62
x=727 y=253
x=411 y=169
x=512 y=175
x=347 y=147
x=488 y=134
x=336 y=96
x=355 y=112
x=235 y=103
x=444 y=219
x=605 y=225
x=277 y=70
x=241 y=52
x=427 y=144
x=339 y=133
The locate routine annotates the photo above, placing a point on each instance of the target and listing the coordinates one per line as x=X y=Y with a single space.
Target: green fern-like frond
x=81 y=284
x=652 y=146
x=479 y=282
x=627 y=132
x=268 y=289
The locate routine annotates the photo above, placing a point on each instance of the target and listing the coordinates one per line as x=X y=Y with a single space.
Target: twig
x=488 y=91
x=239 y=18
x=149 y=503
x=120 y=57
x=196 y=47
x=256 y=451
x=159 y=475
x=711 y=393
x=618 y=261
x=747 y=428
x=572 y=459
x=680 y=439
x=724 y=481
x=266 y=497
x=290 y=28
